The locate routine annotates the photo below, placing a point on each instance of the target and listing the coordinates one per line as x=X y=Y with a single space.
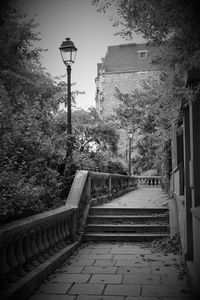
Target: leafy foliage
x=172 y=22
x=35 y=171
x=173 y=26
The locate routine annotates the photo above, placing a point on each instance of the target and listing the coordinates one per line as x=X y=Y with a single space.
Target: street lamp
x=68 y=54
x=130 y=136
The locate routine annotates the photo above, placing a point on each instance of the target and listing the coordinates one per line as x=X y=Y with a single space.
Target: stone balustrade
x=149 y=180
x=33 y=246
x=94 y=188
x=107 y=185
x=27 y=243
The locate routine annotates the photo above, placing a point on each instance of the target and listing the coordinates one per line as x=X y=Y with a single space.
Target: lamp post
x=68 y=54
x=130 y=136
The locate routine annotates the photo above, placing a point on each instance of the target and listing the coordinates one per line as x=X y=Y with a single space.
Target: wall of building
x=125 y=82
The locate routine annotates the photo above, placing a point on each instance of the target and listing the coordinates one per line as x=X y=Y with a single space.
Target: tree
x=172 y=23
x=29 y=177
x=173 y=26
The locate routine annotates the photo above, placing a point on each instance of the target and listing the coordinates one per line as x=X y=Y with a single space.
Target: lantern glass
x=68 y=51
x=130 y=135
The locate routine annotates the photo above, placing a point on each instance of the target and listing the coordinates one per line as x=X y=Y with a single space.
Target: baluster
x=74 y=227
x=45 y=243
x=40 y=246
x=63 y=234
x=60 y=245
x=67 y=231
x=20 y=257
x=34 y=249
x=12 y=261
x=5 y=269
x=50 y=240
x=28 y=253
x=120 y=184
x=110 y=187
x=55 y=238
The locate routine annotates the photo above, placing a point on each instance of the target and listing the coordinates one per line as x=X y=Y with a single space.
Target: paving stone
x=189 y=297
x=52 y=297
x=84 y=250
x=130 y=251
x=87 y=289
x=103 y=245
x=54 y=288
x=71 y=269
x=104 y=278
x=160 y=263
x=173 y=279
x=82 y=262
x=104 y=262
x=142 y=269
x=164 y=290
x=170 y=270
x=71 y=278
x=141 y=279
x=87 y=297
x=144 y=298
x=127 y=257
x=101 y=251
x=96 y=256
x=127 y=263
x=122 y=290
x=99 y=270
x=164 y=257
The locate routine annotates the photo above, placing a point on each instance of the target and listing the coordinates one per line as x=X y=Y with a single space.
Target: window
x=142 y=54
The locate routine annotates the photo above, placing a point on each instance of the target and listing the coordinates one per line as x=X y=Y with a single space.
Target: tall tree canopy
x=174 y=26
x=33 y=129
x=172 y=23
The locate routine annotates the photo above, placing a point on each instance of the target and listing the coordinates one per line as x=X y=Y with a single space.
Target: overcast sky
x=90 y=31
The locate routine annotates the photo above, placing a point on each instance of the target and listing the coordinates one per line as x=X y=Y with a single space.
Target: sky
x=91 y=32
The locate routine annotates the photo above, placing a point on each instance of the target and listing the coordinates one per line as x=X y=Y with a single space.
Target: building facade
x=185 y=181
x=124 y=67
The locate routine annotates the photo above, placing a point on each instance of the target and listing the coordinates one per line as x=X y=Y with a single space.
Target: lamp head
x=68 y=51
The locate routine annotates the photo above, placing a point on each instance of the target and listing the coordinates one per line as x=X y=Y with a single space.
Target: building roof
x=124 y=58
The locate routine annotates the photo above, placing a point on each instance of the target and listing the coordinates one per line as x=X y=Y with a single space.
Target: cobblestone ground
x=142 y=197
x=117 y=271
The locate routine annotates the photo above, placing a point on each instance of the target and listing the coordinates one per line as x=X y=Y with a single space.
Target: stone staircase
x=126 y=224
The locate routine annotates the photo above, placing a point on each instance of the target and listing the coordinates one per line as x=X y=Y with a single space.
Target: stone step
x=99 y=210
x=123 y=237
x=121 y=219
x=127 y=228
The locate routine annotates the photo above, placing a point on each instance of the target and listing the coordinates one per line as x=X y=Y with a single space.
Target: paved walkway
x=119 y=271
x=142 y=197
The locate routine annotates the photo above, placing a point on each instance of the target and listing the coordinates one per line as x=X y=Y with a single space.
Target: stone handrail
x=149 y=180
x=92 y=188
x=27 y=245
x=29 y=242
